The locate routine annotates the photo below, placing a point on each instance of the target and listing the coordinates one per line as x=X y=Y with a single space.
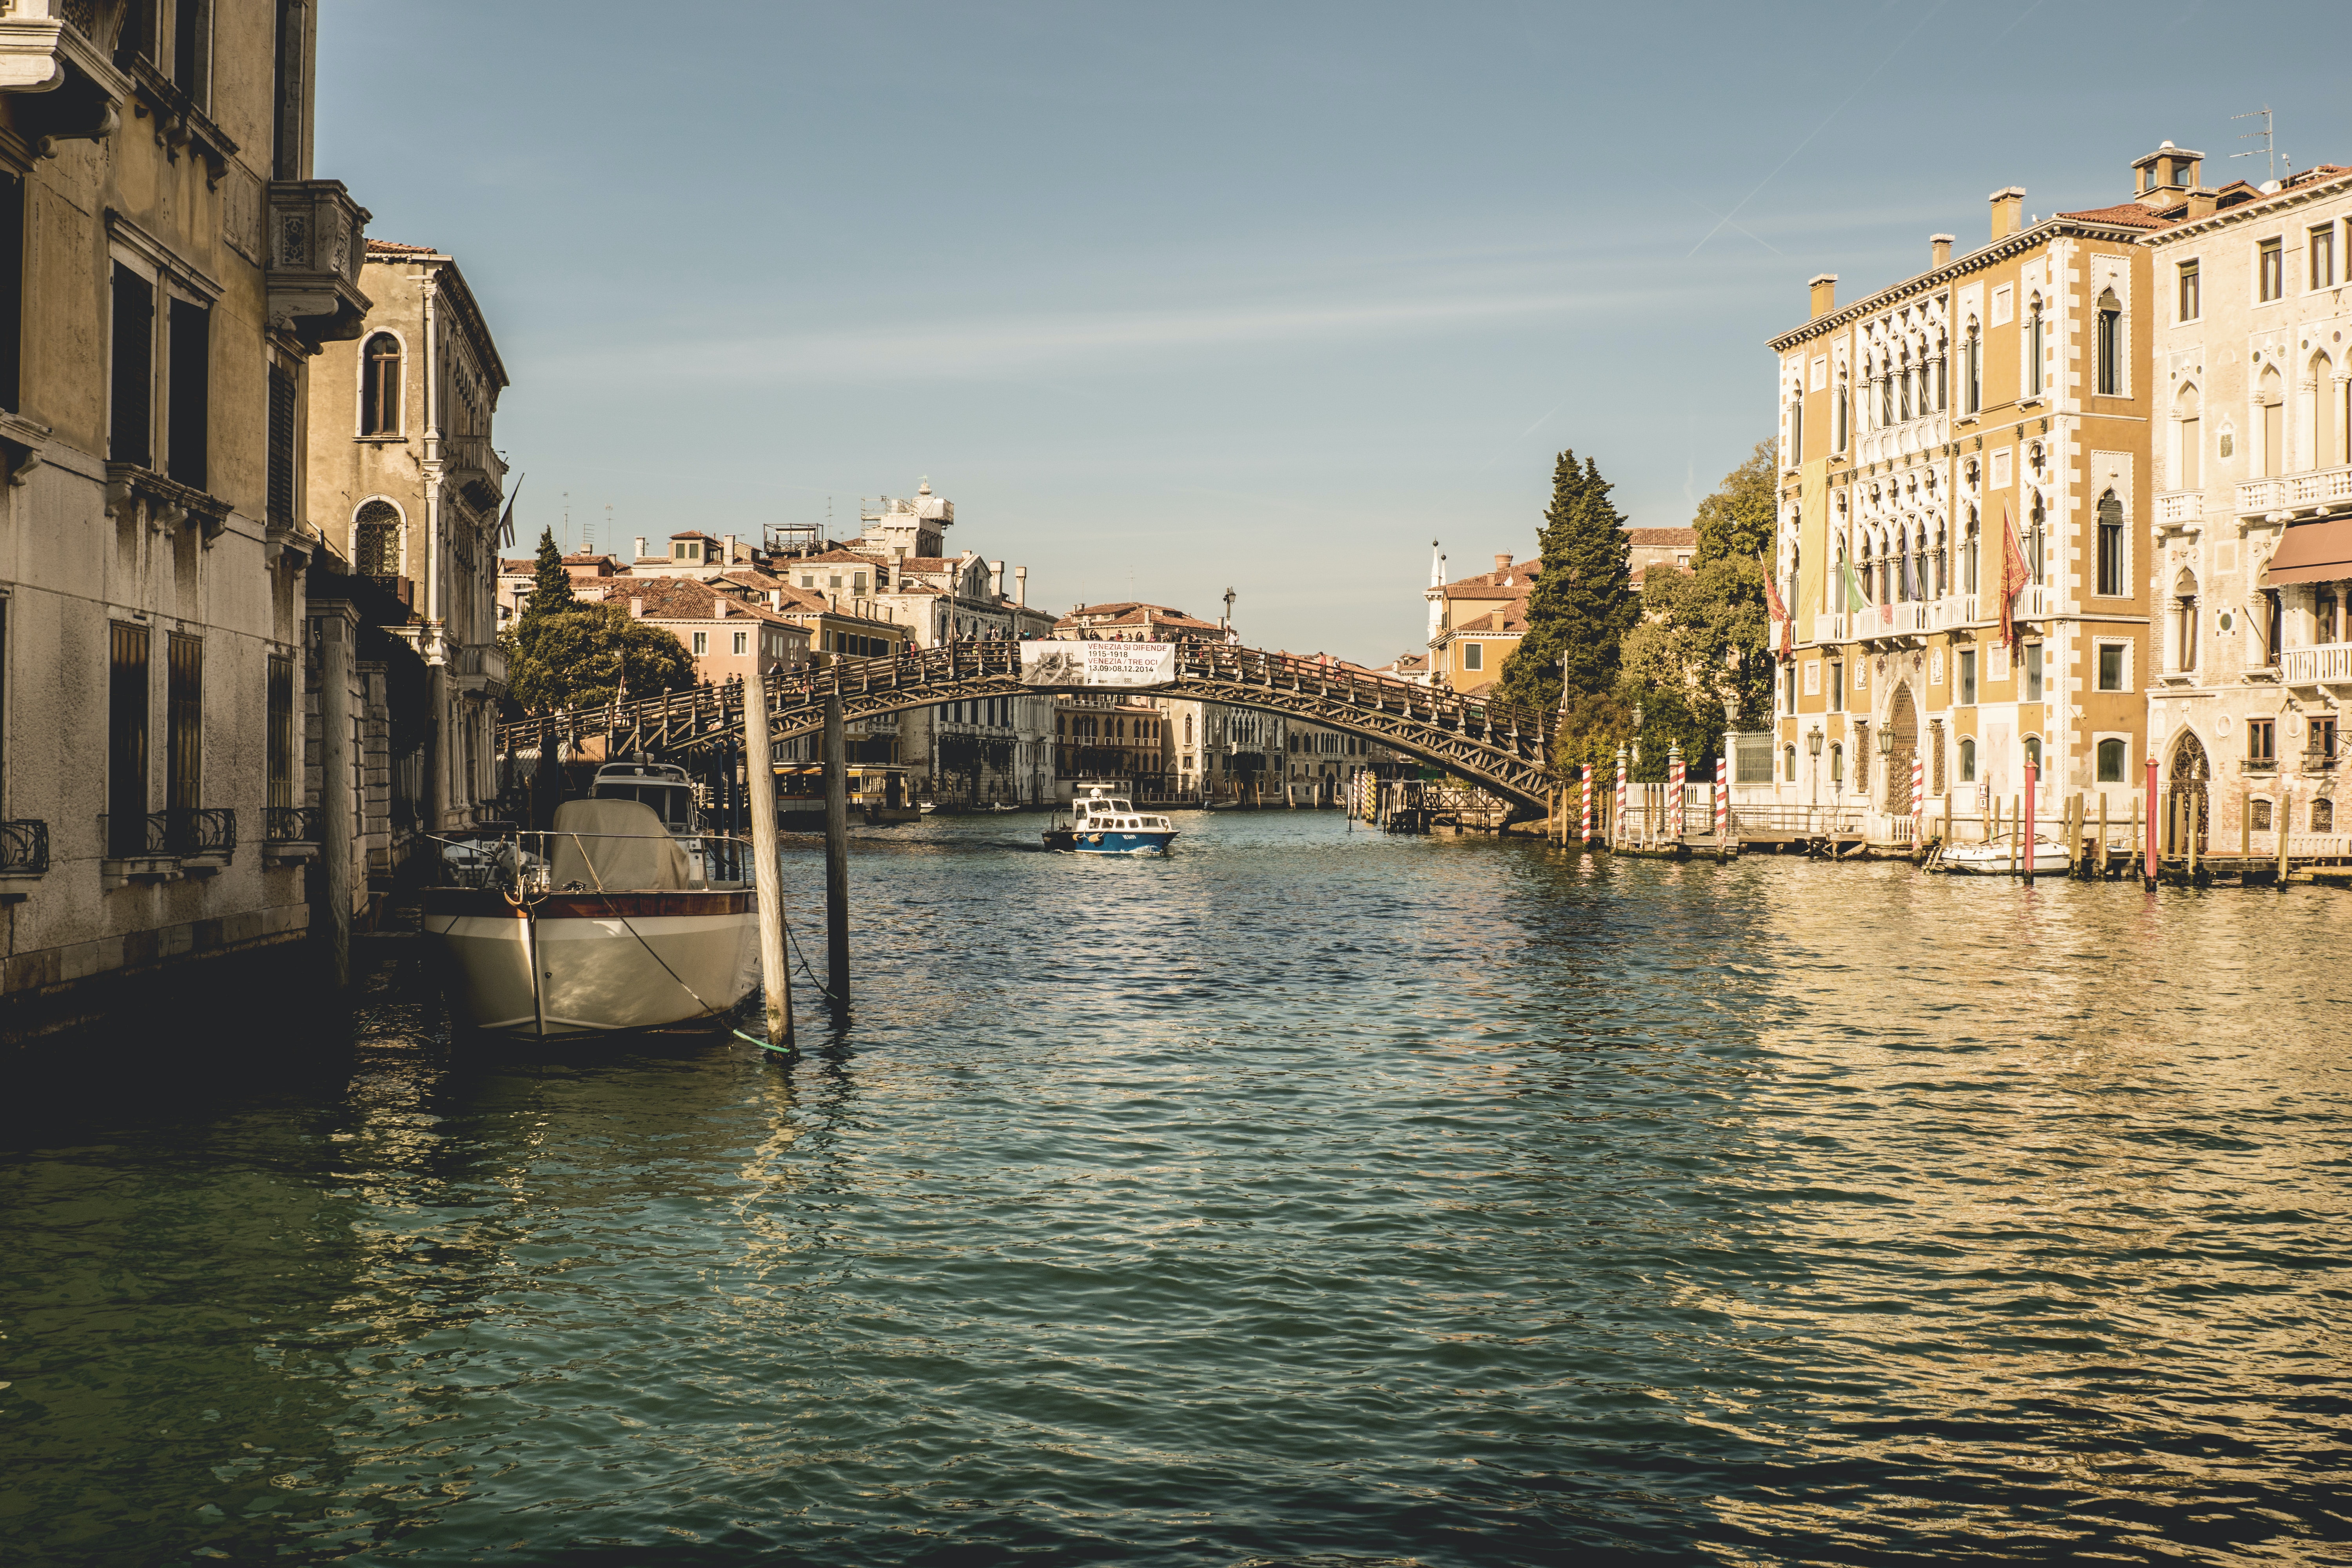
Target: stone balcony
x=2316 y=490
x=2324 y=664
x=469 y=463
x=56 y=60
x=317 y=240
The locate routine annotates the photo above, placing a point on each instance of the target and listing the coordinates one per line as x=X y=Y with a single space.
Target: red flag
x=2013 y=574
x=1781 y=613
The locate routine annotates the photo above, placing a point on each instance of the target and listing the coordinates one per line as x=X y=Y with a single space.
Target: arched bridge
x=1503 y=747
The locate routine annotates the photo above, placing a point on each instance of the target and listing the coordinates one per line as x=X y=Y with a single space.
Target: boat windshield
x=674 y=803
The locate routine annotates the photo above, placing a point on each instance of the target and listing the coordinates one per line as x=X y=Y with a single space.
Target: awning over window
x=2312 y=552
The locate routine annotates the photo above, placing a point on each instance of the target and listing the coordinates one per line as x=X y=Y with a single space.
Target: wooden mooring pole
x=767 y=872
x=836 y=849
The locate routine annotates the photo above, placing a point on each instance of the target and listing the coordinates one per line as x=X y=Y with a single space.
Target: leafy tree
x=1703 y=636
x=1582 y=604
x=583 y=655
x=1736 y=520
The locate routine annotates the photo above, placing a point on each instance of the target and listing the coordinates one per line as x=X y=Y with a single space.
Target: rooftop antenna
x=567 y=518
x=2268 y=151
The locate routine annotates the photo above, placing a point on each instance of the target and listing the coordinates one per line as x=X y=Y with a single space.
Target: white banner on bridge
x=1097 y=663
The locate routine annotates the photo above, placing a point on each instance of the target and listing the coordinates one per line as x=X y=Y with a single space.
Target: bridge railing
x=696 y=714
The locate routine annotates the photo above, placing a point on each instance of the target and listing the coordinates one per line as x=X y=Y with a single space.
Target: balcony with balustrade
x=2323 y=663
x=2180 y=509
x=2291 y=493
x=469 y=463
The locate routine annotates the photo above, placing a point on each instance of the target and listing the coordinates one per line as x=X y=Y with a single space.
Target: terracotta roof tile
x=1663 y=536
x=2129 y=214
x=687 y=599
x=393 y=247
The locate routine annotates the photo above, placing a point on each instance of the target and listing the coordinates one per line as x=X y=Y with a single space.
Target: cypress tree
x=551 y=588
x=1582 y=603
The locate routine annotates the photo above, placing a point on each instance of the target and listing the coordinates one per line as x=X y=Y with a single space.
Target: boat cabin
x=660 y=785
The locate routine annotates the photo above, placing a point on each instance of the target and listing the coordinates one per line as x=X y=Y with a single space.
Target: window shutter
x=189 y=412
x=281 y=448
x=129 y=427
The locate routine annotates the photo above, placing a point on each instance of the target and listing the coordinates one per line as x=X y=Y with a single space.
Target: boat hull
x=610 y=961
x=1111 y=841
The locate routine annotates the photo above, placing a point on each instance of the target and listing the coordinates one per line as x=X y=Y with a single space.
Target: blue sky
x=1172 y=299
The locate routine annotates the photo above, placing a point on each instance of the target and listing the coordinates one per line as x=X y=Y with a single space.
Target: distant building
x=1674 y=547
x=727 y=637
x=405 y=484
x=1476 y=623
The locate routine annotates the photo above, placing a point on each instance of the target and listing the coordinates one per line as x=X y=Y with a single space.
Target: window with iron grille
x=185 y=712
x=126 y=748
x=282 y=731
x=375 y=540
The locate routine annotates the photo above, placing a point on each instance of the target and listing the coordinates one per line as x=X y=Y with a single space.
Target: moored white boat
x=2000 y=858
x=611 y=930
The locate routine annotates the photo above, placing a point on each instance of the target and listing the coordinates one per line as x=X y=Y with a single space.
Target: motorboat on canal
x=1999 y=857
x=625 y=916
x=1103 y=824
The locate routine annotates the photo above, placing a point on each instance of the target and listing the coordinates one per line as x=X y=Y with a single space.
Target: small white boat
x=1999 y=857
x=1101 y=824
x=605 y=923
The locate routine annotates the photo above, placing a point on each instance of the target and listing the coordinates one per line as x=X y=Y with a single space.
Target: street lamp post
x=1813 y=739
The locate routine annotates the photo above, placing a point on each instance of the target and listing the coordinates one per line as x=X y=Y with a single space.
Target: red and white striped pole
x=1584 y=828
x=1722 y=800
x=1675 y=777
x=1618 y=825
x=1918 y=796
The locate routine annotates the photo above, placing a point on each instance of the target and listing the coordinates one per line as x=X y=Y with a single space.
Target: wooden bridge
x=1502 y=747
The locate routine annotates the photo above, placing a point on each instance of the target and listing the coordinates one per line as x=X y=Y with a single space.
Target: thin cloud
x=1017 y=344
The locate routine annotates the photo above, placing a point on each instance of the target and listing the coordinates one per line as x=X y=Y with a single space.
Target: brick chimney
x=1823 y=285
x=996 y=580
x=2007 y=202
x=641 y=548
x=728 y=558
x=638 y=606
x=1940 y=250
x=1020 y=585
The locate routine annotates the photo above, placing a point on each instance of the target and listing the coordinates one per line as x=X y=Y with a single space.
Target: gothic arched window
x=1972 y=372
x=2110 y=345
x=2034 y=351
x=380 y=386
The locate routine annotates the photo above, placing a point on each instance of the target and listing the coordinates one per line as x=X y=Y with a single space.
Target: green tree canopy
x=1736 y=520
x=1701 y=642
x=585 y=654
x=1582 y=604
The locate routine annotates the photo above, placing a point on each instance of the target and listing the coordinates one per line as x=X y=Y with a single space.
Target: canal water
x=1310 y=1197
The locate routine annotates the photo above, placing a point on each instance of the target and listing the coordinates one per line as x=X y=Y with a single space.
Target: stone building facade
x=168 y=270
x=2251 y=571
x=1991 y=409
x=406 y=486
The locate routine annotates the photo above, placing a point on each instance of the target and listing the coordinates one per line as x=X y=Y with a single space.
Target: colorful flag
x=2012 y=574
x=1854 y=599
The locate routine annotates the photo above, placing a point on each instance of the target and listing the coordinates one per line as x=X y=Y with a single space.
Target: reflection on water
x=1308 y=1197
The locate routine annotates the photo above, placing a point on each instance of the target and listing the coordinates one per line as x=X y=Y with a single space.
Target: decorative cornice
x=2248 y=212
x=2000 y=249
